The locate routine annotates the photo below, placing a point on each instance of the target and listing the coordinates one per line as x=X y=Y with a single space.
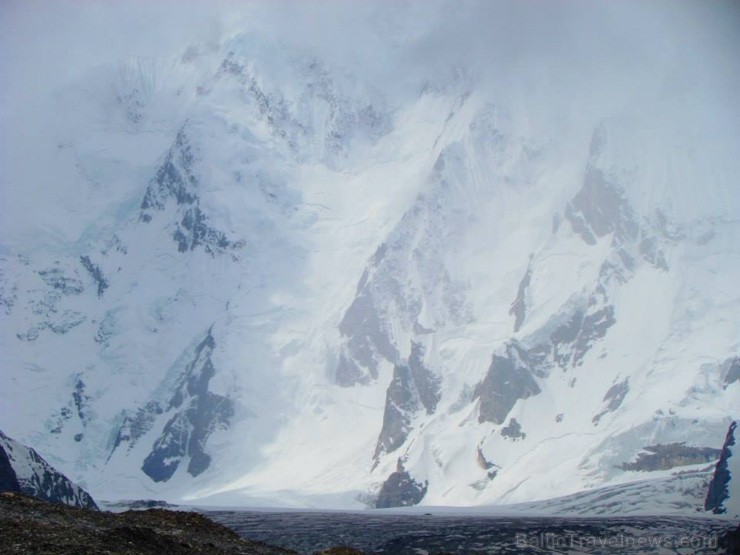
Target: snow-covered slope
x=23 y=469
x=268 y=280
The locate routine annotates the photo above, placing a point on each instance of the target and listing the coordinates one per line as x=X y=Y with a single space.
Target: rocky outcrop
x=601 y=208
x=663 y=457
x=192 y=414
x=513 y=430
x=198 y=412
x=400 y=490
x=35 y=477
x=519 y=307
x=367 y=338
x=406 y=284
x=726 y=475
x=509 y=379
x=613 y=399
x=8 y=479
x=33 y=526
x=77 y=408
x=176 y=182
x=96 y=273
x=321 y=115
x=732 y=372
x=413 y=388
x=491 y=468
x=193 y=231
x=573 y=339
x=47 y=309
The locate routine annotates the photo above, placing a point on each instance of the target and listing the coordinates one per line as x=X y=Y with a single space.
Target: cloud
x=578 y=43
x=575 y=60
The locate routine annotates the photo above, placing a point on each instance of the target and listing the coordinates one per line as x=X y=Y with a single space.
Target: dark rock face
x=574 y=339
x=400 y=490
x=601 y=208
x=176 y=181
x=566 y=340
x=483 y=462
x=401 y=403
x=513 y=430
x=663 y=457
x=135 y=426
x=426 y=382
x=199 y=413
x=96 y=273
x=733 y=371
x=649 y=249
x=519 y=306
x=613 y=399
x=719 y=492
x=31 y=526
x=562 y=343
x=407 y=277
x=367 y=339
x=491 y=468
x=193 y=232
x=194 y=414
x=78 y=407
x=509 y=379
x=37 y=478
x=412 y=388
x=8 y=479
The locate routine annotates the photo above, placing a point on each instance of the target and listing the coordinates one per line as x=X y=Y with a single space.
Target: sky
x=46 y=43
x=586 y=59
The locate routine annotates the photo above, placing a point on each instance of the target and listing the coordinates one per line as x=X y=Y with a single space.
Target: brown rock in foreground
x=31 y=526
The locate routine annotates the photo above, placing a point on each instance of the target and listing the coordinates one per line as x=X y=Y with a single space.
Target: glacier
x=259 y=277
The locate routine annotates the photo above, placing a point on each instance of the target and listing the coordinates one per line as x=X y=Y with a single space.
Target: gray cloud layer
x=572 y=58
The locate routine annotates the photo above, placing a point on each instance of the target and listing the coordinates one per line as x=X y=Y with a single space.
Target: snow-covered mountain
x=22 y=469
x=265 y=279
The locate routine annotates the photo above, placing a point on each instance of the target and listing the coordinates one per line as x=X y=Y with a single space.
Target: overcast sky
x=597 y=56
x=47 y=42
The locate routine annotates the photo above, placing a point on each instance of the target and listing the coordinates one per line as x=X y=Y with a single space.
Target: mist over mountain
x=348 y=255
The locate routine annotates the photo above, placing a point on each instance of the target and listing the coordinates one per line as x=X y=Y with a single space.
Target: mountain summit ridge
x=315 y=293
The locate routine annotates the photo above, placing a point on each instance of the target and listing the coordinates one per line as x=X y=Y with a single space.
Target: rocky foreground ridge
x=32 y=526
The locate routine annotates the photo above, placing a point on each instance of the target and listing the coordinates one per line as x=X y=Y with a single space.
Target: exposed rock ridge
x=35 y=477
x=414 y=389
x=193 y=413
x=177 y=181
x=400 y=490
x=718 y=494
x=33 y=526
